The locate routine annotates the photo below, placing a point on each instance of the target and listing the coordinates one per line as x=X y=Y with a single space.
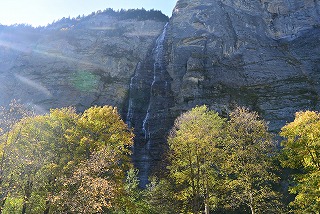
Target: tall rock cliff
x=76 y=62
x=261 y=54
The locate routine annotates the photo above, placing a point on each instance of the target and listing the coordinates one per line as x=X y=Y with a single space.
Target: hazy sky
x=42 y=12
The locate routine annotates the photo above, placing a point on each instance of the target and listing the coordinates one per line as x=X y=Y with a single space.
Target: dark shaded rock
x=150 y=100
x=261 y=54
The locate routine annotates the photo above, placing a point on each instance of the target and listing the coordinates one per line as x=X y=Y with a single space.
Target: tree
x=248 y=164
x=63 y=153
x=160 y=196
x=194 y=158
x=91 y=188
x=100 y=162
x=99 y=127
x=302 y=152
x=37 y=153
x=8 y=117
x=134 y=200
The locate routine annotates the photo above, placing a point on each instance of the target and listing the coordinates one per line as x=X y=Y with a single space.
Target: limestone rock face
x=261 y=54
x=81 y=62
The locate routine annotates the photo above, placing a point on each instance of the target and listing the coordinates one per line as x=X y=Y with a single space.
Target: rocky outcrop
x=79 y=62
x=261 y=54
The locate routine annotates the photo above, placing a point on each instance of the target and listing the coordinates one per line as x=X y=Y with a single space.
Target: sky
x=43 y=12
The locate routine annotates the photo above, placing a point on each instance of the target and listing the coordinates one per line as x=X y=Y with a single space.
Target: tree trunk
x=24 y=208
x=3 y=201
x=206 y=199
x=206 y=208
x=251 y=203
x=252 y=209
x=46 y=211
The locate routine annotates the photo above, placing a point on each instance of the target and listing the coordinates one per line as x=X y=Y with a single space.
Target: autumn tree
x=100 y=127
x=37 y=153
x=49 y=154
x=100 y=162
x=302 y=152
x=90 y=188
x=195 y=157
x=249 y=149
x=8 y=117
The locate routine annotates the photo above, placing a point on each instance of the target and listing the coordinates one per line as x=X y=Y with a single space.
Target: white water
x=130 y=107
x=159 y=65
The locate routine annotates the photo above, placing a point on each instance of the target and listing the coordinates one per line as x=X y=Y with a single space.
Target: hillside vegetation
x=68 y=162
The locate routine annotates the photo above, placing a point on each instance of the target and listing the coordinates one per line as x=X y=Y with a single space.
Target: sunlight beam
x=33 y=84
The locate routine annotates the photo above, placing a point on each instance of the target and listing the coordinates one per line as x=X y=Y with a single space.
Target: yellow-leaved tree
x=302 y=152
x=248 y=152
x=96 y=183
x=195 y=143
x=64 y=162
x=9 y=116
x=36 y=154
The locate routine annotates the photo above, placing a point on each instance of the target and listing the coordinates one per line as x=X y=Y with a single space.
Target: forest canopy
x=69 y=162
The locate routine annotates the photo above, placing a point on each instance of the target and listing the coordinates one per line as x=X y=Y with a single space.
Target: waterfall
x=150 y=98
x=130 y=105
x=159 y=68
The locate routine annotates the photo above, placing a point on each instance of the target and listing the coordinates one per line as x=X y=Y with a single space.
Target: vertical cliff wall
x=150 y=100
x=261 y=54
